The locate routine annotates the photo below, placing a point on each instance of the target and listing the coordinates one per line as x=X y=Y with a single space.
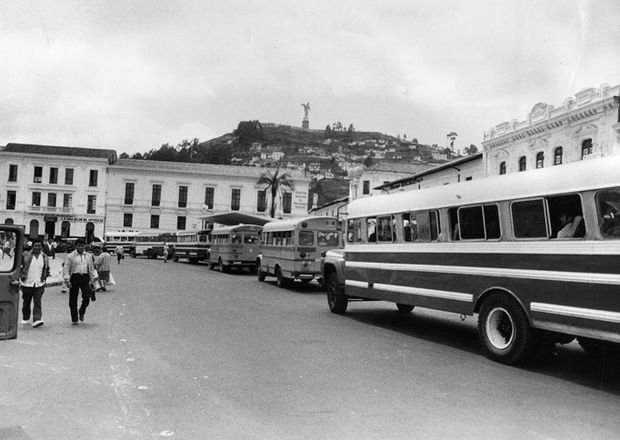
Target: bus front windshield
x=306 y=238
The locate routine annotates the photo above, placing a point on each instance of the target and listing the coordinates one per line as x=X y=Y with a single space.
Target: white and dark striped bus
x=291 y=249
x=126 y=239
x=151 y=244
x=192 y=245
x=234 y=246
x=535 y=254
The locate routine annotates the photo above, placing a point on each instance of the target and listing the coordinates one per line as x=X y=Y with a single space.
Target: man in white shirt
x=34 y=271
x=78 y=272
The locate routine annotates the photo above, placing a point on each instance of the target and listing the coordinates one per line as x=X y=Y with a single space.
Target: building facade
x=54 y=191
x=585 y=126
x=84 y=192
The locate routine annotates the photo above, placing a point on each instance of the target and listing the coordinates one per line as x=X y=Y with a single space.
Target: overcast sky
x=132 y=75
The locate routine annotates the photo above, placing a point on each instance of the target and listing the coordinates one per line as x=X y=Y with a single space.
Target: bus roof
x=194 y=232
x=292 y=223
x=575 y=176
x=236 y=228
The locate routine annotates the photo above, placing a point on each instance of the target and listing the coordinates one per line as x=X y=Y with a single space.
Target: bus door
x=12 y=243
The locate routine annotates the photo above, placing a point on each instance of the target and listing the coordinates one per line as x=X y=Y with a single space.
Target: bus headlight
x=302 y=254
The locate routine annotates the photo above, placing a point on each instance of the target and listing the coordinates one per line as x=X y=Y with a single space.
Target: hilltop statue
x=305 y=124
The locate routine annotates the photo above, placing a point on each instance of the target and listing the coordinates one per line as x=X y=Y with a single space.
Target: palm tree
x=275 y=183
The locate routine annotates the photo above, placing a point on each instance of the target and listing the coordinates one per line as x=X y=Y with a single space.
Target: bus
x=234 y=246
x=151 y=244
x=291 y=249
x=192 y=245
x=127 y=239
x=535 y=254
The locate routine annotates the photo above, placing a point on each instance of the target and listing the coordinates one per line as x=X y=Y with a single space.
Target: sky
x=132 y=75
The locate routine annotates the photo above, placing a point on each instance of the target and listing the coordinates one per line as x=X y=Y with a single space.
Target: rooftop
x=55 y=150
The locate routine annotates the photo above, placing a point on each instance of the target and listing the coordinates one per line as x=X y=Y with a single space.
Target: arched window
x=65 y=229
x=557 y=156
x=8 y=221
x=586 y=148
x=502 y=168
x=522 y=163
x=34 y=229
x=540 y=160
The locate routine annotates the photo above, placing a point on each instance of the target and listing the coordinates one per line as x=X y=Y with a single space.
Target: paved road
x=178 y=351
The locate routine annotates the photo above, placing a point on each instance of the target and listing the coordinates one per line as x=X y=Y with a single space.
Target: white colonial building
x=84 y=192
x=54 y=191
x=172 y=196
x=586 y=125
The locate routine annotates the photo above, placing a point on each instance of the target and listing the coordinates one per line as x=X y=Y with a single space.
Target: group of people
x=82 y=272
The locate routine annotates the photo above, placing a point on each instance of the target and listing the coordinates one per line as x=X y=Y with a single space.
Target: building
x=586 y=125
x=54 y=190
x=363 y=181
x=68 y=191
x=172 y=196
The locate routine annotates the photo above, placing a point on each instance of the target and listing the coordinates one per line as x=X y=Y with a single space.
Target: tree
x=368 y=162
x=275 y=183
x=472 y=149
x=328 y=131
x=123 y=155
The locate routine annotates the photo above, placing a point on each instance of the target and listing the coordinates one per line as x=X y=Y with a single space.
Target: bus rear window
x=306 y=238
x=325 y=238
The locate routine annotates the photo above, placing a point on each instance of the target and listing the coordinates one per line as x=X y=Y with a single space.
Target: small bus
x=291 y=249
x=234 y=246
x=127 y=239
x=192 y=245
x=535 y=254
x=151 y=244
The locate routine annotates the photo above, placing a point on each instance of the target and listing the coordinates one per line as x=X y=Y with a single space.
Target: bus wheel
x=175 y=258
x=281 y=280
x=505 y=332
x=132 y=253
x=149 y=254
x=336 y=299
x=405 y=308
x=261 y=274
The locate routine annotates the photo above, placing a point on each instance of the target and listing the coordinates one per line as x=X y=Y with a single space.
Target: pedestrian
x=166 y=250
x=33 y=273
x=49 y=249
x=102 y=264
x=79 y=271
x=119 y=251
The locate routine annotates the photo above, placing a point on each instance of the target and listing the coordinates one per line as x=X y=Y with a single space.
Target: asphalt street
x=178 y=351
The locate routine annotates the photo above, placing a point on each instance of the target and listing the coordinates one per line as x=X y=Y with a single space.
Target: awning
x=235 y=218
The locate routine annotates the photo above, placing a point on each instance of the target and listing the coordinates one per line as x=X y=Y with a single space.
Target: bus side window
x=406 y=227
x=454 y=224
x=384 y=229
x=354 y=230
x=566 y=216
x=608 y=210
x=371 y=229
x=528 y=219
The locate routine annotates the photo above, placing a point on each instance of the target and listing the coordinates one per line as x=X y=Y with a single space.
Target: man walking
x=119 y=251
x=35 y=269
x=78 y=272
x=102 y=265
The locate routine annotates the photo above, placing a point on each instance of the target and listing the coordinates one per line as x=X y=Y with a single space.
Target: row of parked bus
x=285 y=249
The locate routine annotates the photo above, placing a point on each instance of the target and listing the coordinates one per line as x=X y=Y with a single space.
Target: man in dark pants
x=33 y=273
x=78 y=272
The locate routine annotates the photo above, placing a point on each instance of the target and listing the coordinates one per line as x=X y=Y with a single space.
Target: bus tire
x=132 y=253
x=404 y=308
x=175 y=258
x=281 y=280
x=336 y=299
x=504 y=331
x=149 y=254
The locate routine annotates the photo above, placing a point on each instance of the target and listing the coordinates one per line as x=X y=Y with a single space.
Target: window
x=92 y=178
x=371 y=229
x=127 y=220
x=66 y=200
x=209 y=197
x=586 y=148
x=540 y=160
x=91 y=206
x=502 y=168
x=566 y=216
x=182 y=196
x=12 y=173
x=51 y=200
x=557 y=156
x=129 y=190
x=306 y=238
x=287 y=199
x=420 y=226
x=11 y=198
x=384 y=229
x=181 y=222
x=522 y=163
x=235 y=202
x=608 y=209
x=38 y=175
x=528 y=219
x=69 y=176
x=154 y=221
x=156 y=195
x=327 y=238
x=366 y=187
x=53 y=175
x=261 y=201
x=479 y=222
x=354 y=230
x=36 y=198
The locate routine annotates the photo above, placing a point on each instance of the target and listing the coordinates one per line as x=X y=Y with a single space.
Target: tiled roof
x=55 y=150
